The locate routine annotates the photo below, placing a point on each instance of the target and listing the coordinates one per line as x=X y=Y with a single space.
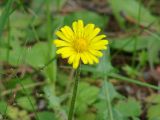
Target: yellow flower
x=80 y=43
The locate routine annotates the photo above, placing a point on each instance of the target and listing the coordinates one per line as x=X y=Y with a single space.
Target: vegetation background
x=125 y=85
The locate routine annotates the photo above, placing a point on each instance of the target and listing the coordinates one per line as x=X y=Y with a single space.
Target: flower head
x=80 y=43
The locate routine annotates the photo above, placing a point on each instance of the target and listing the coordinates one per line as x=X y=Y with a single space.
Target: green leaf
x=15 y=114
x=132 y=72
x=59 y=3
x=54 y=101
x=103 y=112
x=36 y=56
x=87 y=17
x=46 y=115
x=3 y=106
x=139 y=12
x=111 y=90
x=25 y=103
x=154 y=98
x=128 y=43
x=105 y=66
x=87 y=116
x=87 y=94
x=11 y=84
x=153 y=49
x=154 y=112
x=143 y=58
x=129 y=108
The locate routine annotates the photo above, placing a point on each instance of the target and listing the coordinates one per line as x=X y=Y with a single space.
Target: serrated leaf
x=103 y=112
x=124 y=106
x=87 y=94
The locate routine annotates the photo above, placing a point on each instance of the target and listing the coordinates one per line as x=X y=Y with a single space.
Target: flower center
x=80 y=45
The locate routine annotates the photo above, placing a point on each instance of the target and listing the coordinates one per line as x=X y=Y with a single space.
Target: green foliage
x=108 y=88
x=128 y=43
x=52 y=98
x=87 y=17
x=26 y=33
x=24 y=103
x=46 y=115
x=5 y=15
x=37 y=55
x=139 y=13
x=131 y=71
x=86 y=96
x=153 y=110
x=54 y=102
x=16 y=114
x=87 y=116
x=3 y=107
x=129 y=108
x=154 y=113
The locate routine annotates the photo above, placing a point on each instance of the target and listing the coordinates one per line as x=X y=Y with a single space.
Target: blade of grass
x=51 y=69
x=3 y=20
x=5 y=15
x=117 y=76
x=24 y=90
x=136 y=40
x=8 y=43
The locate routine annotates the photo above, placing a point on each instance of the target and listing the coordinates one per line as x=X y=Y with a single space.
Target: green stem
x=74 y=94
x=9 y=37
x=108 y=98
x=117 y=76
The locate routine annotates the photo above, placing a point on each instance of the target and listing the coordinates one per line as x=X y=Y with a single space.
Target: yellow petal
x=76 y=61
x=80 y=29
x=95 y=59
x=98 y=38
x=61 y=35
x=99 y=47
x=83 y=58
x=67 y=54
x=61 y=50
x=71 y=58
x=102 y=42
x=90 y=61
x=94 y=33
x=96 y=52
x=74 y=26
x=89 y=28
x=67 y=31
x=61 y=43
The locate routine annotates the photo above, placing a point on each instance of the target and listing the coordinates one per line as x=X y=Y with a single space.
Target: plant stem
x=117 y=76
x=51 y=70
x=107 y=93
x=74 y=94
